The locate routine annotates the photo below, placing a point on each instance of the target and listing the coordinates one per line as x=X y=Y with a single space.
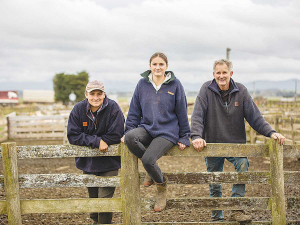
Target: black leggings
x=137 y=139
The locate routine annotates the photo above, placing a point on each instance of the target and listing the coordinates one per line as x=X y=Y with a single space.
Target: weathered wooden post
x=8 y=128
x=11 y=183
x=65 y=138
x=293 y=131
x=252 y=135
x=276 y=123
x=130 y=188
x=277 y=183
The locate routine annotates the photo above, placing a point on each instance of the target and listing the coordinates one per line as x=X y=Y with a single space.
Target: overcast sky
x=113 y=39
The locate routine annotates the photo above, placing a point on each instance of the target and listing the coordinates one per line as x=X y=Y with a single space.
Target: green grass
x=4 y=110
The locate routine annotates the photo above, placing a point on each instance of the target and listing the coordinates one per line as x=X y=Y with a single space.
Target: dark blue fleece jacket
x=223 y=122
x=83 y=131
x=161 y=113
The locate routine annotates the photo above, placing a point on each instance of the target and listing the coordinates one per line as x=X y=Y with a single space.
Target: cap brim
x=94 y=90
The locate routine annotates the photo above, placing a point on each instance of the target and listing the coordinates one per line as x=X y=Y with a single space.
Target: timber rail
x=287 y=126
x=54 y=127
x=130 y=203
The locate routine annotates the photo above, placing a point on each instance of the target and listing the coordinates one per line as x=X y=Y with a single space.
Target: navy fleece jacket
x=83 y=131
x=218 y=122
x=161 y=113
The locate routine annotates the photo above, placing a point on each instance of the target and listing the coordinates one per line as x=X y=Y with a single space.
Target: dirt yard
x=167 y=164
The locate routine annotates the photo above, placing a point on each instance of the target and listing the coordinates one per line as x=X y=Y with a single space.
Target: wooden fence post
x=130 y=188
x=276 y=125
x=293 y=131
x=252 y=135
x=277 y=183
x=8 y=128
x=11 y=182
x=65 y=138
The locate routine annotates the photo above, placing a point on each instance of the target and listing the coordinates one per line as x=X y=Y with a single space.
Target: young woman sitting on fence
x=156 y=121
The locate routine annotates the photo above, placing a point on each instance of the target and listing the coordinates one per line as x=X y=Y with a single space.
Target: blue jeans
x=216 y=164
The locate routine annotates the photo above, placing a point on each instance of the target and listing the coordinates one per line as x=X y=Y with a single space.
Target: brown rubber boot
x=239 y=216
x=161 y=198
x=148 y=181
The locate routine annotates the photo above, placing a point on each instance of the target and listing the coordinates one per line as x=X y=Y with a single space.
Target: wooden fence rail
x=287 y=126
x=3 y=130
x=54 y=127
x=130 y=203
x=36 y=127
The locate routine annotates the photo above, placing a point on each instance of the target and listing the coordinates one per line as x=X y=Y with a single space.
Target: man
x=218 y=117
x=97 y=122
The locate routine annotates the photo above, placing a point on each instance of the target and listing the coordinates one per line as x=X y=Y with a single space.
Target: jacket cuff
x=184 y=141
x=272 y=132
x=195 y=137
x=97 y=142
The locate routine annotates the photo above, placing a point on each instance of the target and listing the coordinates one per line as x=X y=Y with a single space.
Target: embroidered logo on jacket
x=236 y=103
x=169 y=92
x=84 y=124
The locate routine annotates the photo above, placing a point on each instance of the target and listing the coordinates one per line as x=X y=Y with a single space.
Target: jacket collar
x=104 y=104
x=147 y=72
x=214 y=86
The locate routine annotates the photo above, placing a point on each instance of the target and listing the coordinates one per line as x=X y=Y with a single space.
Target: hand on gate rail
x=199 y=144
x=279 y=137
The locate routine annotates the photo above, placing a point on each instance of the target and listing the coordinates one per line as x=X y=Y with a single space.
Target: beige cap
x=95 y=85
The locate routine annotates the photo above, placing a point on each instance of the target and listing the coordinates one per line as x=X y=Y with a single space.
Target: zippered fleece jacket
x=84 y=131
x=218 y=122
x=161 y=113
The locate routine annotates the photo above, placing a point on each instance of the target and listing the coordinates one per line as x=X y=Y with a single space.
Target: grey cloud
x=115 y=39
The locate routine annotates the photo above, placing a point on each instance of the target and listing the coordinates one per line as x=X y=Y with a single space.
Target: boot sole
x=148 y=184
x=158 y=209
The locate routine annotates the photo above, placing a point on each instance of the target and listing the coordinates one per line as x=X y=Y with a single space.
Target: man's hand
x=181 y=146
x=103 y=147
x=122 y=138
x=199 y=144
x=279 y=137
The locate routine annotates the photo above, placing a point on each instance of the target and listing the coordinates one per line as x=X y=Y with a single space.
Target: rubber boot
x=161 y=198
x=148 y=181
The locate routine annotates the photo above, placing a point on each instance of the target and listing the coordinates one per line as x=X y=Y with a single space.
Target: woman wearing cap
x=156 y=121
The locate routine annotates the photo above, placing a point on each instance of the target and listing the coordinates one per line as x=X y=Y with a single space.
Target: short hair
x=161 y=55
x=223 y=61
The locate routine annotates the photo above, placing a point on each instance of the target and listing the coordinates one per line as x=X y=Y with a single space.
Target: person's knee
x=216 y=190
x=131 y=139
x=214 y=168
x=213 y=165
x=242 y=165
x=106 y=192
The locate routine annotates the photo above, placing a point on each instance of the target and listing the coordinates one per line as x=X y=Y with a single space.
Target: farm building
x=9 y=97
x=38 y=96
